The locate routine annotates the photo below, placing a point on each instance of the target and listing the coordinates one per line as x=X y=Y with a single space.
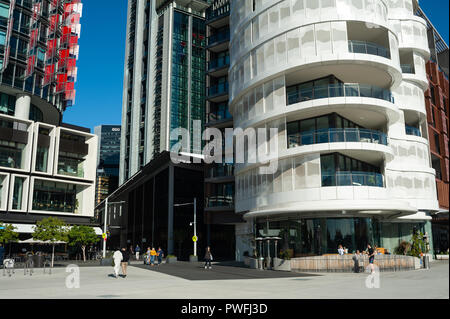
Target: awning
x=29 y=229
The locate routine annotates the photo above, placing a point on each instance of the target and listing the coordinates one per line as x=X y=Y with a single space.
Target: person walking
x=126 y=258
x=208 y=257
x=160 y=253
x=131 y=250
x=147 y=256
x=117 y=260
x=153 y=255
x=137 y=251
x=371 y=255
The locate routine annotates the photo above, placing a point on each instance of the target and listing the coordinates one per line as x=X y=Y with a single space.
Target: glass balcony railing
x=408 y=68
x=220 y=201
x=368 y=48
x=220 y=171
x=219 y=63
x=353 y=179
x=219 y=37
x=336 y=135
x=411 y=130
x=220 y=12
x=218 y=89
x=338 y=90
x=219 y=115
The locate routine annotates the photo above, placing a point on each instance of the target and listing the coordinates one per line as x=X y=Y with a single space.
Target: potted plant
x=170 y=259
x=193 y=259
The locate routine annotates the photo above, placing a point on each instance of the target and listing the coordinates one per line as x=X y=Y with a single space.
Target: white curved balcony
x=412 y=35
x=409 y=96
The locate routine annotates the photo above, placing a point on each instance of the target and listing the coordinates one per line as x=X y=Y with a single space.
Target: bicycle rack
x=47 y=264
x=8 y=267
x=28 y=267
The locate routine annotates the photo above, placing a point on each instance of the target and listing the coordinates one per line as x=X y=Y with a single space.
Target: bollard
x=426 y=262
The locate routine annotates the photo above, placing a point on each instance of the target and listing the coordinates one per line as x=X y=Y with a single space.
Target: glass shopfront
x=55 y=197
x=319 y=236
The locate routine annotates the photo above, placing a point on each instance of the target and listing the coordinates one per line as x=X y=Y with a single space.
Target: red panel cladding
x=54 y=20
x=49 y=74
x=31 y=62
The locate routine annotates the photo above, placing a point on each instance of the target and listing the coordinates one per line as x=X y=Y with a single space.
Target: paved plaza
x=184 y=280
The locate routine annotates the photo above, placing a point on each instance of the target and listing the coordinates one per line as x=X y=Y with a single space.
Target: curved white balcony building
x=343 y=81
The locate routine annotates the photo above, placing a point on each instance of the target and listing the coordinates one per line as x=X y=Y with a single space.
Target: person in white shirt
x=117 y=260
x=340 y=250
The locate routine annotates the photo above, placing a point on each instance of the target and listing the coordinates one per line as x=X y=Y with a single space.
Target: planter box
x=253 y=263
x=247 y=261
x=281 y=264
x=417 y=263
x=106 y=262
x=171 y=260
x=193 y=259
x=442 y=257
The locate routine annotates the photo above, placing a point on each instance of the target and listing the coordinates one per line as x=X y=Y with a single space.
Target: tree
x=418 y=245
x=7 y=233
x=82 y=236
x=52 y=230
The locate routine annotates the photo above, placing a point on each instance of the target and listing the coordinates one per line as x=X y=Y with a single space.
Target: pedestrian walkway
x=219 y=271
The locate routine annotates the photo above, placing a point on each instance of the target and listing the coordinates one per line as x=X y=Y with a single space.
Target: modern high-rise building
x=437 y=106
x=108 y=158
x=164 y=79
x=344 y=82
x=219 y=177
x=47 y=168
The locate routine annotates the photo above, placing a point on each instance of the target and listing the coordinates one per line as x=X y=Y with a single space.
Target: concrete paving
x=96 y=282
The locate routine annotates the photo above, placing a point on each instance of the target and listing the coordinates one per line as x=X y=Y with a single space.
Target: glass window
x=18 y=193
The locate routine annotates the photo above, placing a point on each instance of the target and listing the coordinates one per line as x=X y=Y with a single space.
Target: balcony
x=297 y=95
x=352 y=178
x=218 y=89
x=411 y=130
x=219 y=201
x=368 y=48
x=219 y=63
x=408 y=68
x=219 y=116
x=336 y=135
x=220 y=170
x=220 y=37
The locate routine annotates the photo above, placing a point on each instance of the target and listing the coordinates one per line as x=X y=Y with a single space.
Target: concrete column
x=23 y=104
x=170 y=211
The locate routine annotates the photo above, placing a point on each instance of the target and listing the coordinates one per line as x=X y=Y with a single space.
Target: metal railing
x=335 y=135
x=368 y=48
x=352 y=178
x=338 y=90
x=219 y=116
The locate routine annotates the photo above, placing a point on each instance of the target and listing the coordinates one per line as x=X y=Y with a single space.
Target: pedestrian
x=153 y=255
x=208 y=257
x=137 y=250
x=340 y=250
x=117 y=256
x=147 y=256
x=131 y=250
x=371 y=255
x=160 y=253
x=126 y=258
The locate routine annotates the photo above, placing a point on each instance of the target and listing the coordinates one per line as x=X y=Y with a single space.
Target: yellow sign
x=194 y=238
x=104 y=236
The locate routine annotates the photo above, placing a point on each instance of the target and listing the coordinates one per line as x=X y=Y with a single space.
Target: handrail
x=336 y=135
x=368 y=48
x=352 y=178
x=339 y=90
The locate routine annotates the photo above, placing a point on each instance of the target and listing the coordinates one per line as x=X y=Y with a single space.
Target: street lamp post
x=194 y=222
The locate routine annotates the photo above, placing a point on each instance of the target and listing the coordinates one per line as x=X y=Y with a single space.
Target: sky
x=101 y=60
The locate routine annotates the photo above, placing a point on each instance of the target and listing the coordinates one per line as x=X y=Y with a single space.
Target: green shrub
x=403 y=248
